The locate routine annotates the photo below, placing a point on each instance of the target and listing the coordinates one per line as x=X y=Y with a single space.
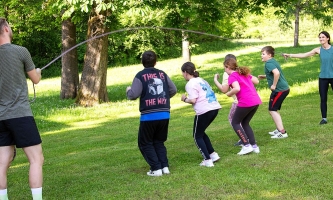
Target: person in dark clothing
x=155 y=88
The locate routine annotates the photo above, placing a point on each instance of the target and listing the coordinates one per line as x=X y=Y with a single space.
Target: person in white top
x=206 y=107
x=224 y=87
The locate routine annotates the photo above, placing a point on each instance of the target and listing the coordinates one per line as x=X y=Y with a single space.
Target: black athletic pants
x=201 y=139
x=151 y=138
x=323 y=90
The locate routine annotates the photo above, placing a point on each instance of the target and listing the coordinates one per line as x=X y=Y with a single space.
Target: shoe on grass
x=274 y=132
x=322 y=122
x=207 y=163
x=215 y=157
x=165 y=170
x=155 y=173
x=280 y=135
x=245 y=150
x=256 y=149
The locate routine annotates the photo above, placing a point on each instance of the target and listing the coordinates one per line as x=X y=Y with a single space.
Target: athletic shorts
x=21 y=132
x=276 y=100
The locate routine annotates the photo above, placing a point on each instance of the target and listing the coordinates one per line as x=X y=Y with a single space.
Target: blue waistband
x=155 y=116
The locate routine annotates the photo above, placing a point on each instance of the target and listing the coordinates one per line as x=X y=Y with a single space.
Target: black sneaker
x=322 y=122
x=239 y=143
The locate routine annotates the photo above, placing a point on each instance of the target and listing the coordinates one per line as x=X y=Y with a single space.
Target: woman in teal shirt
x=325 y=52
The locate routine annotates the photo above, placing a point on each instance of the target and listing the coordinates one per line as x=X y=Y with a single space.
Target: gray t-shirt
x=15 y=61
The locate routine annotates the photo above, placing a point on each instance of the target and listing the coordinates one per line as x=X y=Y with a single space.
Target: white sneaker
x=155 y=173
x=280 y=135
x=207 y=163
x=274 y=132
x=165 y=170
x=215 y=157
x=245 y=150
x=256 y=149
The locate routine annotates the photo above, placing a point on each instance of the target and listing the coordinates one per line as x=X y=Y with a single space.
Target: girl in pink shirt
x=242 y=84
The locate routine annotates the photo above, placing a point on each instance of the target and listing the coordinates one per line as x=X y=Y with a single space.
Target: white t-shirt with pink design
x=199 y=89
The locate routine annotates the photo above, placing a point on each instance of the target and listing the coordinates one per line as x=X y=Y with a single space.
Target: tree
x=69 y=72
x=92 y=89
x=293 y=10
x=318 y=9
x=34 y=27
x=198 y=15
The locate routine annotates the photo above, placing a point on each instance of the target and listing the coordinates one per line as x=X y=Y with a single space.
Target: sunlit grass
x=92 y=153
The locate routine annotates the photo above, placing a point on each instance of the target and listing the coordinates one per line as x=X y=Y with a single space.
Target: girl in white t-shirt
x=206 y=107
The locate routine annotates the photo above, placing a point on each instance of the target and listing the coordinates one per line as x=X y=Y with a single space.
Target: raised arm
x=224 y=87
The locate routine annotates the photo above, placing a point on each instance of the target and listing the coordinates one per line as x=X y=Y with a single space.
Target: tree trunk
x=296 y=33
x=92 y=89
x=69 y=71
x=186 y=48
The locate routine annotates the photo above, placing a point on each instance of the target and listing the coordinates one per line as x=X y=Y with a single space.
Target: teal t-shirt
x=282 y=83
x=326 y=60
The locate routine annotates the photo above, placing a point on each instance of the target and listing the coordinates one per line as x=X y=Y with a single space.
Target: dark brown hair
x=269 y=50
x=327 y=35
x=148 y=59
x=189 y=68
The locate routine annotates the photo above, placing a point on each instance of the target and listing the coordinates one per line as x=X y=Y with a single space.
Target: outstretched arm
x=303 y=55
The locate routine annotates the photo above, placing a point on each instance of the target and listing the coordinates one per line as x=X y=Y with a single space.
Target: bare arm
x=235 y=89
x=255 y=80
x=276 y=75
x=303 y=55
x=186 y=100
x=35 y=75
x=222 y=87
x=261 y=76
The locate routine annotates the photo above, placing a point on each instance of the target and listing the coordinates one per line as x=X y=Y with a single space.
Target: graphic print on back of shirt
x=210 y=95
x=156 y=91
x=156 y=87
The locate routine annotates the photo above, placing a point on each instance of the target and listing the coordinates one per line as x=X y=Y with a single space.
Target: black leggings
x=201 y=139
x=241 y=123
x=323 y=90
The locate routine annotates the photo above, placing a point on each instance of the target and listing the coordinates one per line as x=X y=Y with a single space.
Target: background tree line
x=47 y=28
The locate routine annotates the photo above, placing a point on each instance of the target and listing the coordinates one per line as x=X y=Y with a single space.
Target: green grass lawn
x=92 y=153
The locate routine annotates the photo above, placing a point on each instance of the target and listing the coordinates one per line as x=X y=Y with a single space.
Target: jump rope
x=128 y=29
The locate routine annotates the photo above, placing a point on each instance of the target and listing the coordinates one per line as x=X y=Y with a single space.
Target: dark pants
x=201 y=139
x=241 y=123
x=151 y=138
x=323 y=90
